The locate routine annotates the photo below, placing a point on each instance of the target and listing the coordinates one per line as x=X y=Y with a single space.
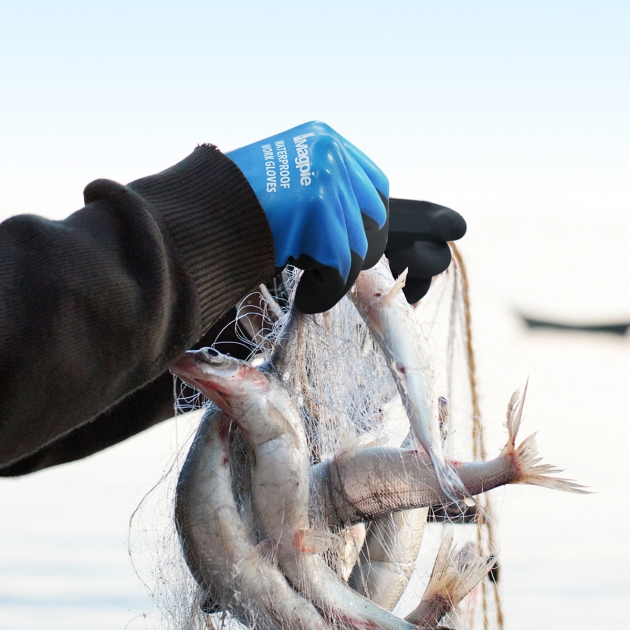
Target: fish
x=392 y=322
x=234 y=574
x=374 y=481
x=448 y=585
x=270 y=422
x=388 y=557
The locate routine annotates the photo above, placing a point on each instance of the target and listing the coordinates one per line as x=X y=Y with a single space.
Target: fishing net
x=347 y=399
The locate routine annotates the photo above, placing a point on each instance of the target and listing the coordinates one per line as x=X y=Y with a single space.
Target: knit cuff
x=217 y=224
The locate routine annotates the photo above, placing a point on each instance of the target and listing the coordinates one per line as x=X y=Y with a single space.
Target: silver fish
x=388 y=557
x=280 y=482
x=392 y=322
x=379 y=480
x=234 y=575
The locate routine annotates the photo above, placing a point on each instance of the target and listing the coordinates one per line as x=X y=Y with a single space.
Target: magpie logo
x=303 y=160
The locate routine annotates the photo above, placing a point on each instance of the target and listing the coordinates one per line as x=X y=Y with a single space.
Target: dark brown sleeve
x=139 y=411
x=93 y=309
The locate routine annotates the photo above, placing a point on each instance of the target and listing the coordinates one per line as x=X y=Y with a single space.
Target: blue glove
x=326 y=203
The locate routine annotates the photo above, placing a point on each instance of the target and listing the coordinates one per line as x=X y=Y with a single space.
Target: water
x=63 y=555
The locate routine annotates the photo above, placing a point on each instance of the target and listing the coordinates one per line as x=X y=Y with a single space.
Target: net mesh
x=346 y=396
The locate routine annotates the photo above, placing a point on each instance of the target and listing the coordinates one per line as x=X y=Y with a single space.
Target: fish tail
x=449 y=583
x=448 y=478
x=529 y=471
x=514 y=415
x=526 y=458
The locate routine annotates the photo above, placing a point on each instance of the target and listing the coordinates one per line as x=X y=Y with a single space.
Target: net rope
x=487 y=520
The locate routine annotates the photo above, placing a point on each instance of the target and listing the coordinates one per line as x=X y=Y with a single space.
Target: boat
x=618 y=328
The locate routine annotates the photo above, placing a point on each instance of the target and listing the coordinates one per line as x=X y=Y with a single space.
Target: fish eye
x=211 y=356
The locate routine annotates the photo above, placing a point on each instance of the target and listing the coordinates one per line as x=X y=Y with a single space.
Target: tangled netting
x=344 y=390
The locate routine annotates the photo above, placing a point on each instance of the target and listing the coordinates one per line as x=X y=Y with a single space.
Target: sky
x=516 y=114
x=519 y=105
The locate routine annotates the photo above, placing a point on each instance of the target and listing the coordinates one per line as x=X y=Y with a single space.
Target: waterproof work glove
x=326 y=203
x=418 y=235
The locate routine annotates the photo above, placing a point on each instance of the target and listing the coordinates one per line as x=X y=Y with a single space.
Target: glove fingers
x=373 y=172
x=321 y=288
x=369 y=198
x=424 y=259
x=377 y=240
x=366 y=215
x=350 y=199
x=449 y=225
x=425 y=221
x=416 y=288
x=374 y=214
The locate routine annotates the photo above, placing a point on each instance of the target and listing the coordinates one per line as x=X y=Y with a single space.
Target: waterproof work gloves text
x=327 y=206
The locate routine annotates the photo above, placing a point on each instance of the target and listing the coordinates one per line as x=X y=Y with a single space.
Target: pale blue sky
x=472 y=104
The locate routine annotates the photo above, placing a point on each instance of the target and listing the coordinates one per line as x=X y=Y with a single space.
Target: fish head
x=227 y=381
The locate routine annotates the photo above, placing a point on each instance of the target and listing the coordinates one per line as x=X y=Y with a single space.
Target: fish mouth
x=207 y=370
x=195 y=364
x=214 y=373
x=184 y=366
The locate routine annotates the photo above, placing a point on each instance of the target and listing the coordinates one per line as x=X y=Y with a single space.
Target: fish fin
x=466 y=555
x=376 y=440
x=442 y=559
x=315 y=541
x=348 y=447
x=352 y=539
x=515 y=413
x=443 y=414
x=267 y=549
x=449 y=583
x=525 y=458
x=530 y=472
x=397 y=287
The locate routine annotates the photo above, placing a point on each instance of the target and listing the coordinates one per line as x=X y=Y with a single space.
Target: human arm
x=97 y=306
